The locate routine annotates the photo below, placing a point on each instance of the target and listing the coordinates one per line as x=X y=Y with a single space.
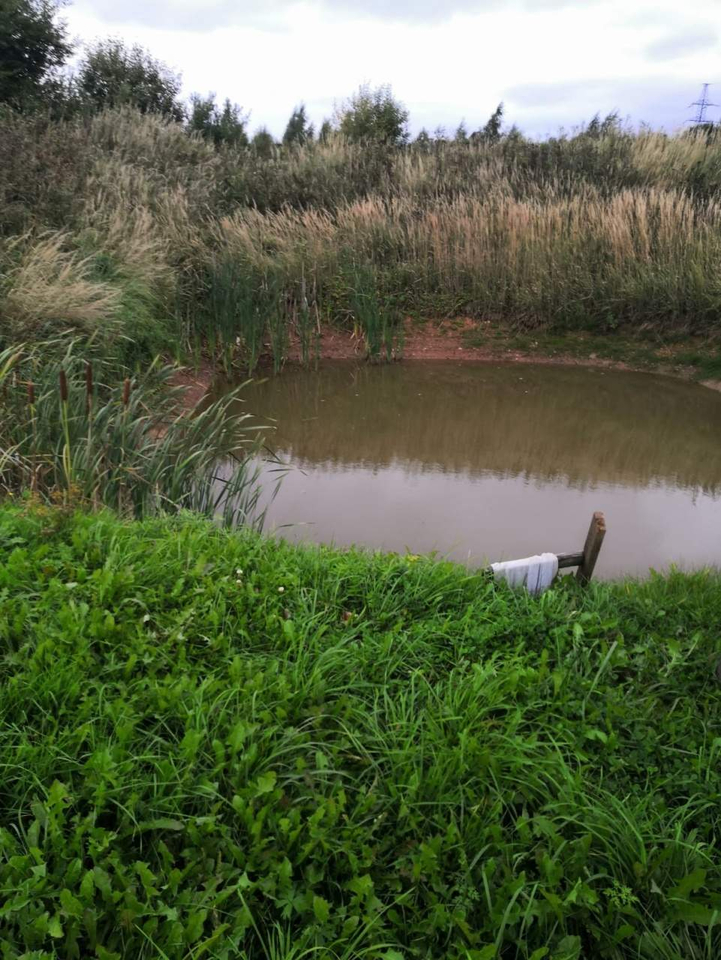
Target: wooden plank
x=569 y=560
x=592 y=547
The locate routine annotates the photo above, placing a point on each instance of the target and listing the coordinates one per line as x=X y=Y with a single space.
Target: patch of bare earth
x=441 y=340
x=434 y=340
x=195 y=383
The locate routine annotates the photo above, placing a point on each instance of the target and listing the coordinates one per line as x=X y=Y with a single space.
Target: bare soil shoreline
x=449 y=340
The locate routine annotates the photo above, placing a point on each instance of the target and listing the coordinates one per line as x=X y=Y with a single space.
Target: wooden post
x=592 y=547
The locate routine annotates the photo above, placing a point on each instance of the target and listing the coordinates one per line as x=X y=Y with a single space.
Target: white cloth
x=536 y=574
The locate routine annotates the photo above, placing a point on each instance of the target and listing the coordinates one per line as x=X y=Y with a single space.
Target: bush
x=373 y=116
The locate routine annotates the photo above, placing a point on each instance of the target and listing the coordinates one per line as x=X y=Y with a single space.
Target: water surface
x=496 y=461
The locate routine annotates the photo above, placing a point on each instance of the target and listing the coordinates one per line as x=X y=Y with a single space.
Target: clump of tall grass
x=376 y=318
x=68 y=434
x=243 y=313
x=644 y=256
x=46 y=286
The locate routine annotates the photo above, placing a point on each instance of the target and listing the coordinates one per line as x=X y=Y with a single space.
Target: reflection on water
x=494 y=461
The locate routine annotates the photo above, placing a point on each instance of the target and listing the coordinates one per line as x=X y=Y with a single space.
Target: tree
x=491 y=133
x=514 y=136
x=325 y=132
x=374 y=116
x=33 y=45
x=226 y=125
x=598 y=128
x=461 y=134
x=263 y=143
x=298 y=129
x=113 y=75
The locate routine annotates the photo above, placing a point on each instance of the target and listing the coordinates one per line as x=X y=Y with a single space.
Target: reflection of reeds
x=130 y=449
x=583 y=425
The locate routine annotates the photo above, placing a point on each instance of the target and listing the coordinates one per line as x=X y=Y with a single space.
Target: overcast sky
x=554 y=63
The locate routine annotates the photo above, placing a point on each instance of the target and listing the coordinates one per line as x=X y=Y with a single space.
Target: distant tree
x=374 y=116
x=112 y=74
x=298 y=129
x=325 y=132
x=514 y=136
x=423 y=138
x=440 y=134
x=226 y=125
x=461 y=134
x=263 y=143
x=33 y=45
x=491 y=132
x=598 y=128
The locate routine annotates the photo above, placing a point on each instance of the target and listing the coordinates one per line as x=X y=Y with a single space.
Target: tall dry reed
x=185 y=247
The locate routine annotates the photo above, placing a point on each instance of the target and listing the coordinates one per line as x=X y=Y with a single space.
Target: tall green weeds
x=68 y=435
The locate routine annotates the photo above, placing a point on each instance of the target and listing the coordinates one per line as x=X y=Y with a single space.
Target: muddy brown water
x=495 y=461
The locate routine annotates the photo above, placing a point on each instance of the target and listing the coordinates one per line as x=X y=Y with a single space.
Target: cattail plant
x=68 y=433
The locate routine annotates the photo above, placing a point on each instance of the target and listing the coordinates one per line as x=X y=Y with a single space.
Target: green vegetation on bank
x=129 y=227
x=71 y=433
x=224 y=746
x=697 y=358
x=152 y=225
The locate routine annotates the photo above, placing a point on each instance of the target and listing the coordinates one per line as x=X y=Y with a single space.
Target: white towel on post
x=536 y=574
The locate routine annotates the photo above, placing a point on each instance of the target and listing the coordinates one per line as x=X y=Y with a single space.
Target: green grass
x=648 y=350
x=216 y=745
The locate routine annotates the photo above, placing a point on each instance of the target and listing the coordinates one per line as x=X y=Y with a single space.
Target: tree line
x=34 y=75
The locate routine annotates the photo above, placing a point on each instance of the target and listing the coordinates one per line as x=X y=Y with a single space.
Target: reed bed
x=157 y=240
x=68 y=436
x=642 y=257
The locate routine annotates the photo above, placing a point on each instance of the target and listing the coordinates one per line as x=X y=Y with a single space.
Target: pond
x=496 y=461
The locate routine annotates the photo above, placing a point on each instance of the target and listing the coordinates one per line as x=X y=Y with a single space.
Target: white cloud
x=674 y=44
x=201 y=15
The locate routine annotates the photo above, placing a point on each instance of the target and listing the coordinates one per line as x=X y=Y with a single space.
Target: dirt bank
x=470 y=342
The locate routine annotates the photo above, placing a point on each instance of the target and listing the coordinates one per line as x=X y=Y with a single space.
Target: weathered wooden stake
x=592 y=547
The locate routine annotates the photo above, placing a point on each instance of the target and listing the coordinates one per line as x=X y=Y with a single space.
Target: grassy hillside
x=129 y=229
x=215 y=745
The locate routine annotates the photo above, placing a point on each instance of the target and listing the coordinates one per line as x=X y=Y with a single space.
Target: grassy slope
x=126 y=230
x=381 y=756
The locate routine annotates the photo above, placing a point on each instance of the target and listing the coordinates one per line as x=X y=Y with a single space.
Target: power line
x=703 y=103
